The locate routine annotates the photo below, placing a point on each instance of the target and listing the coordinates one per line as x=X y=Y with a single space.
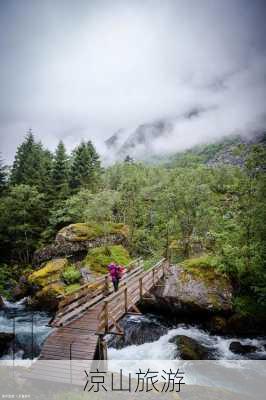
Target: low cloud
x=85 y=70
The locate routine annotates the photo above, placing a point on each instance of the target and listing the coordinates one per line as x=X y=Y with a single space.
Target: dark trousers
x=116 y=284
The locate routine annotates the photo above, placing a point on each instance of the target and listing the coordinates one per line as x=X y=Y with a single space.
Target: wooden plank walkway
x=84 y=317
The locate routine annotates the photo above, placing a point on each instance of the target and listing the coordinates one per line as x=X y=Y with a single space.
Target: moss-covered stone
x=47 y=297
x=197 y=289
x=190 y=349
x=87 y=231
x=98 y=259
x=49 y=273
x=76 y=240
x=71 y=288
x=216 y=286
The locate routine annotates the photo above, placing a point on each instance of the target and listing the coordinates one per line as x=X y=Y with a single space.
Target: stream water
x=148 y=340
x=146 y=337
x=162 y=348
x=30 y=329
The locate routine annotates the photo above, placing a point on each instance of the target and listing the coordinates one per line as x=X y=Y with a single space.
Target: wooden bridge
x=94 y=310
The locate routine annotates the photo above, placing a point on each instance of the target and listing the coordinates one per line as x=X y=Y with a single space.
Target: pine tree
x=85 y=166
x=32 y=165
x=60 y=172
x=3 y=176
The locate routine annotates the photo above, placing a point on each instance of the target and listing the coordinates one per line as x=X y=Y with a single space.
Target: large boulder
x=137 y=331
x=47 y=284
x=47 y=298
x=194 y=290
x=77 y=239
x=190 y=349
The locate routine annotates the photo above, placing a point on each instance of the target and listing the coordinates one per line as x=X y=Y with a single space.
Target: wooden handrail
x=118 y=302
x=82 y=298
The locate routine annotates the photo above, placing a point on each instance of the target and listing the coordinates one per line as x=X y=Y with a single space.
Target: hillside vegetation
x=188 y=207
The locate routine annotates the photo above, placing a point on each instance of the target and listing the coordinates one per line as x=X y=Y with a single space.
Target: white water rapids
x=163 y=349
x=16 y=318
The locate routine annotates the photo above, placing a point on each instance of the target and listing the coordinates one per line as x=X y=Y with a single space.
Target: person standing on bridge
x=116 y=272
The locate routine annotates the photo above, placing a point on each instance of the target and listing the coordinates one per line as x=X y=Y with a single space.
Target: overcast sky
x=84 y=69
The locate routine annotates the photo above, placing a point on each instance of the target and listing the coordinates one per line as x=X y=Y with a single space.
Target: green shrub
x=205 y=261
x=151 y=261
x=71 y=275
x=98 y=259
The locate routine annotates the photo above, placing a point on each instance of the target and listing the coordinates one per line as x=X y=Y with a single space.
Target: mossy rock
x=190 y=349
x=47 y=298
x=52 y=290
x=49 y=273
x=98 y=259
x=196 y=288
x=71 y=288
x=204 y=269
x=88 y=231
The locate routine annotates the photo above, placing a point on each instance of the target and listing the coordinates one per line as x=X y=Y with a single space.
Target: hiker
x=116 y=272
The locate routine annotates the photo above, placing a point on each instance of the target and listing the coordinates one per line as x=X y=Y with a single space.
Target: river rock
x=77 y=239
x=190 y=291
x=190 y=349
x=21 y=289
x=2 y=304
x=239 y=348
x=138 y=330
x=6 y=340
x=217 y=325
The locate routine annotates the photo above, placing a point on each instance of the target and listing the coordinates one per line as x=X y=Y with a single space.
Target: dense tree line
x=180 y=210
x=35 y=188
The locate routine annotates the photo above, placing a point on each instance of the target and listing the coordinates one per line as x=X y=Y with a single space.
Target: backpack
x=119 y=271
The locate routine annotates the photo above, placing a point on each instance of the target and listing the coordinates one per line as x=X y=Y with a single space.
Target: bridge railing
x=87 y=295
x=125 y=299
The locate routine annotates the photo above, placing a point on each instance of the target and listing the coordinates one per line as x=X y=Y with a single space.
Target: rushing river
x=147 y=337
x=162 y=348
x=30 y=329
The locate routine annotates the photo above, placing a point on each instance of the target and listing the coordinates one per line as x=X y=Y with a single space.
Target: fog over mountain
x=165 y=74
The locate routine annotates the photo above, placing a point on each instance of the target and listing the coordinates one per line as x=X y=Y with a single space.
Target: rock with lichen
x=190 y=349
x=195 y=289
x=48 y=284
x=77 y=239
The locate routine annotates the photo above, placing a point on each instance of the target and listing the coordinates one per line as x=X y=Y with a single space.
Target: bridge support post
x=102 y=348
x=140 y=288
x=126 y=300
x=106 y=285
x=106 y=317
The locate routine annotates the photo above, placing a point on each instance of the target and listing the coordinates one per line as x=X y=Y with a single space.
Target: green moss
x=87 y=231
x=49 y=273
x=205 y=261
x=204 y=268
x=98 y=259
x=71 y=288
x=52 y=290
